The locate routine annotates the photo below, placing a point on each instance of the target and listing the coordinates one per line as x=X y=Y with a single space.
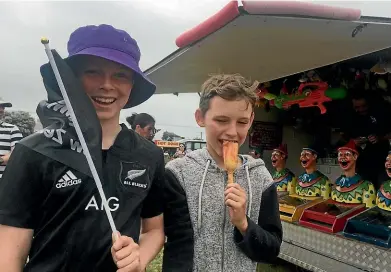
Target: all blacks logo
x=134 y=175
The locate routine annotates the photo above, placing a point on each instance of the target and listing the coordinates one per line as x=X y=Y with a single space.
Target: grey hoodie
x=200 y=236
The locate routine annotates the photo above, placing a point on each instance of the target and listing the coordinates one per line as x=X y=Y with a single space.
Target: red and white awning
x=266 y=40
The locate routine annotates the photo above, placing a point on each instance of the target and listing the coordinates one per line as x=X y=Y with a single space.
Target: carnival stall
x=311 y=60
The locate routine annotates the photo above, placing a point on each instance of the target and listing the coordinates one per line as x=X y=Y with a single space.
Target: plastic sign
x=168 y=144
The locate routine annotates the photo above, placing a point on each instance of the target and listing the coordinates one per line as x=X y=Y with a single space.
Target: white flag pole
x=86 y=152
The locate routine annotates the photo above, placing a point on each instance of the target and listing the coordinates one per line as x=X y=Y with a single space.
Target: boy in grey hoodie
x=211 y=225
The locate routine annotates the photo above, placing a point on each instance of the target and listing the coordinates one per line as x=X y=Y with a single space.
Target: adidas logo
x=68 y=179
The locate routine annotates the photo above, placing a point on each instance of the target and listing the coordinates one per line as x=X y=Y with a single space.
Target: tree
x=169 y=136
x=23 y=120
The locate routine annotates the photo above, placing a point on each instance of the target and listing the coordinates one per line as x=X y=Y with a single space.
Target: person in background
x=181 y=151
x=143 y=124
x=370 y=128
x=256 y=153
x=9 y=136
x=211 y=225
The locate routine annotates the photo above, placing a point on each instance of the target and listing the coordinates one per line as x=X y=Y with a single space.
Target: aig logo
x=112 y=202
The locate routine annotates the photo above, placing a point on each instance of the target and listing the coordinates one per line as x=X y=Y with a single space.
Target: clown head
x=388 y=164
x=347 y=156
x=308 y=158
x=279 y=156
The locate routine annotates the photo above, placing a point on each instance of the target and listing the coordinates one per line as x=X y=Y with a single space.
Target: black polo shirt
x=63 y=206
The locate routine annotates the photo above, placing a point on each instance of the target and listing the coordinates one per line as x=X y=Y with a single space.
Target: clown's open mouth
x=304 y=163
x=274 y=161
x=388 y=169
x=343 y=163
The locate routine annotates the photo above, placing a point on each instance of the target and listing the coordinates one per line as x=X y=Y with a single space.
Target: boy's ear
x=252 y=119
x=199 y=118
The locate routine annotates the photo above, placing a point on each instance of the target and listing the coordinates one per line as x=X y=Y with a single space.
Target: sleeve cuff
x=151 y=214
x=239 y=239
x=17 y=223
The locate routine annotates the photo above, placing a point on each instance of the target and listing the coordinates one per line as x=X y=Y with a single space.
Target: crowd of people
x=52 y=215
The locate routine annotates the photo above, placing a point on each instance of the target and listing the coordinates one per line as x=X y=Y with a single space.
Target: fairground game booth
x=320 y=69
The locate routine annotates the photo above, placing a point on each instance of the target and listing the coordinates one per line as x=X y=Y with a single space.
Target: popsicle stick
x=231 y=177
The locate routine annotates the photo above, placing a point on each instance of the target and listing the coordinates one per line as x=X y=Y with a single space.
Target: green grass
x=156 y=266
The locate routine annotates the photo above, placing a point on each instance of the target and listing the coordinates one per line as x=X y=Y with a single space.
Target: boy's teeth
x=104 y=99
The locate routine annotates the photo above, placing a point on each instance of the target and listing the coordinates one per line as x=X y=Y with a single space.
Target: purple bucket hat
x=116 y=45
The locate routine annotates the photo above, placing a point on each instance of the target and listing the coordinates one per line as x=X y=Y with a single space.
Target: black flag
x=58 y=140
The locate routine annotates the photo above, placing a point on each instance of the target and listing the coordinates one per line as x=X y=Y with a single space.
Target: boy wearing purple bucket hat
x=47 y=191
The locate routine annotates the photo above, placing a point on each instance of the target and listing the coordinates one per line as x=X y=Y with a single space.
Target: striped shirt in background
x=9 y=136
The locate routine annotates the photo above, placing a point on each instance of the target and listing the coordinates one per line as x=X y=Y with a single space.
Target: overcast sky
x=153 y=23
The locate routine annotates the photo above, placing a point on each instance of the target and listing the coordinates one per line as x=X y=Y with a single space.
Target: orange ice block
x=230 y=154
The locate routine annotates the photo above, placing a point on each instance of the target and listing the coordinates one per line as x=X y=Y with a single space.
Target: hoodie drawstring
x=200 y=196
x=250 y=193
